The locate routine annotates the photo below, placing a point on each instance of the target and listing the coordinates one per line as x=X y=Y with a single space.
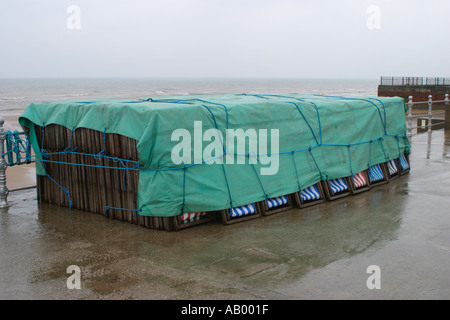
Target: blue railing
x=18 y=148
x=17 y=152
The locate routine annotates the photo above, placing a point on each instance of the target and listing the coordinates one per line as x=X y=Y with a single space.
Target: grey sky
x=224 y=38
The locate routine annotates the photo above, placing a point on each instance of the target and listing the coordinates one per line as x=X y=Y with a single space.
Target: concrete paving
x=321 y=252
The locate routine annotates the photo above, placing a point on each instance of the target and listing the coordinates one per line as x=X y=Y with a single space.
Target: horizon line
x=190 y=77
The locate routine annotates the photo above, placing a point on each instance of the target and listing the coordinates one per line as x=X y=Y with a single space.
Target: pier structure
x=421 y=93
x=418 y=87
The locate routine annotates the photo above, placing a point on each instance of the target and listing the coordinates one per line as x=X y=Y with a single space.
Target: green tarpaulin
x=268 y=145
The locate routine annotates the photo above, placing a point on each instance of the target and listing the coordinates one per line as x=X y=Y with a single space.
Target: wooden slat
x=91 y=189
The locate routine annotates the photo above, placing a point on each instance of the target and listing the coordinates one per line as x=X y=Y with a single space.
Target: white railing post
x=3 y=165
x=430 y=109
x=447 y=113
x=410 y=105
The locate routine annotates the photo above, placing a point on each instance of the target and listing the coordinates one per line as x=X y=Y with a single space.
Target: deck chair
x=404 y=164
x=277 y=204
x=377 y=175
x=186 y=220
x=242 y=213
x=393 y=169
x=310 y=196
x=360 y=182
x=337 y=188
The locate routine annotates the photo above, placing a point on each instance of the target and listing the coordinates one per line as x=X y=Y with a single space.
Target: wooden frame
x=227 y=219
x=333 y=196
x=303 y=204
x=356 y=190
x=380 y=182
x=265 y=211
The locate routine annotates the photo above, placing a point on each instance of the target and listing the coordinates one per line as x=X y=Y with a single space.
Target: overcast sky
x=224 y=38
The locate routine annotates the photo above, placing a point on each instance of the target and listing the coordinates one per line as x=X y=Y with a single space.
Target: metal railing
x=414 y=81
x=18 y=152
x=3 y=165
x=428 y=116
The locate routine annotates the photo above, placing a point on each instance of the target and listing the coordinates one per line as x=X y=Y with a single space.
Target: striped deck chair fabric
x=375 y=173
x=359 y=180
x=310 y=193
x=404 y=164
x=242 y=211
x=392 y=165
x=276 y=202
x=191 y=217
x=338 y=185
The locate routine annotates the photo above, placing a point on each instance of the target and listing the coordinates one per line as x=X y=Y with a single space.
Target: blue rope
x=190 y=101
x=398 y=146
x=115 y=208
x=260 y=183
x=350 y=160
x=42 y=134
x=102 y=152
x=96 y=156
x=225 y=151
x=361 y=99
x=69 y=148
x=307 y=122
x=184 y=190
x=384 y=151
x=217 y=127
x=370 y=154
x=16 y=146
x=315 y=162
x=296 y=173
x=63 y=189
x=298 y=99
x=9 y=148
x=45 y=154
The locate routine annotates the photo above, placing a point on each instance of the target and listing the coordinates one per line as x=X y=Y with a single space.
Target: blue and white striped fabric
x=375 y=173
x=404 y=163
x=338 y=185
x=243 y=211
x=392 y=165
x=310 y=193
x=276 y=202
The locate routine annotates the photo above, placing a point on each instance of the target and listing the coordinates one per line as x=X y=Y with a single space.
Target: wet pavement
x=320 y=252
